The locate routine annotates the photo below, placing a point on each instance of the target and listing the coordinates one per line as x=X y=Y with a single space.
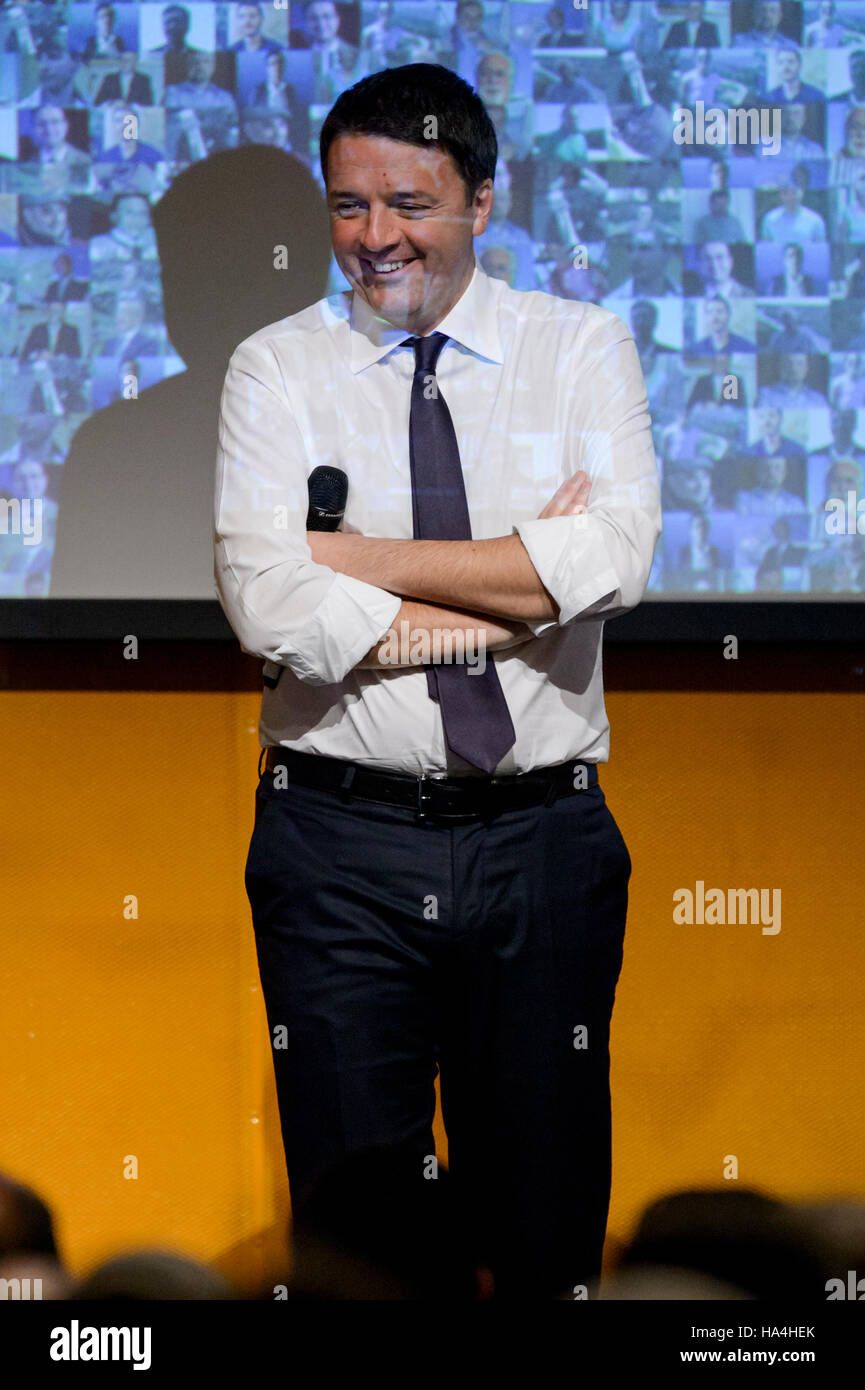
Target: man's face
x=249 y=20
x=694 y=13
x=793 y=118
x=856 y=136
x=791 y=260
x=55 y=70
x=323 y=21
x=826 y=11
x=643 y=320
x=55 y=314
x=50 y=127
x=796 y=368
x=718 y=202
x=770 y=421
x=719 y=262
x=494 y=79
x=773 y=471
x=29 y=479
x=175 y=25
x=768 y=16
x=470 y=17
x=788 y=65
x=394 y=204
x=647 y=262
x=692 y=485
x=128 y=61
x=133 y=216
x=199 y=67
x=104 y=21
x=717 y=318
x=46 y=220
x=791 y=196
x=555 y=18
x=274 y=68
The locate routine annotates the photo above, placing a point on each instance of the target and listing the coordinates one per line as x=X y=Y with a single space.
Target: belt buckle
x=423 y=797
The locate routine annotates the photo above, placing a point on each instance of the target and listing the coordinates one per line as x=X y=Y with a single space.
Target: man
x=198 y=92
x=131 y=338
x=795 y=144
x=791 y=392
x=65 y=288
x=791 y=88
x=176 y=21
x=766 y=32
x=250 y=21
x=131 y=238
x=556 y=35
x=694 y=31
x=792 y=220
x=126 y=84
x=720 y=387
x=449 y=932
x=719 y=224
x=52 y=339
x=121 y=142
x=494 y=83
x=716 y=269
x=334 y=60
x=716 y=319
x=275 y=94
x=769 y=497
x=57 y=72
x=43 y=219
x=105 y=43
x=771 y=442
x=61 y=163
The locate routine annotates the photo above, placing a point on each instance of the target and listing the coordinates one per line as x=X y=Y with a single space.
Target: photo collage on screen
x=699 y=169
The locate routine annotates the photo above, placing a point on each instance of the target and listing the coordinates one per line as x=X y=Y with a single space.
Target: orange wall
x=147 y=1036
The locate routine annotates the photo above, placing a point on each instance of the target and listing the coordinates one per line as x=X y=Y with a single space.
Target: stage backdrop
x=142 y=1041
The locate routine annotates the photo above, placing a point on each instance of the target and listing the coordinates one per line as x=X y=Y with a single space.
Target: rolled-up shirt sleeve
x=597 y=564
x=282 y=606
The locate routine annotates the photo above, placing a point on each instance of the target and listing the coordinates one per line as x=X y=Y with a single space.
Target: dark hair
x=399 y=102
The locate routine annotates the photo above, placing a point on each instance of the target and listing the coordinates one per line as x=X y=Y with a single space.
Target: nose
x=380 y=232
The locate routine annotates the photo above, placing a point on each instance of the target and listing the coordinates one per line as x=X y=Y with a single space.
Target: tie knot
x=427 y=351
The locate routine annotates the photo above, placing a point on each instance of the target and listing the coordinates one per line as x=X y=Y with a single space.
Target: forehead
x=378 y=161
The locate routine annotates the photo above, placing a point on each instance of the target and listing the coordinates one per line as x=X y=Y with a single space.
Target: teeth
x=388 y=265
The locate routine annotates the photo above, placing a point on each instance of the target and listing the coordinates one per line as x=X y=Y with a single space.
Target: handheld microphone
x=328 y=493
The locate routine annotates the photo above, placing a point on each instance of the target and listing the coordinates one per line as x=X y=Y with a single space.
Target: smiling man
x=435 y=879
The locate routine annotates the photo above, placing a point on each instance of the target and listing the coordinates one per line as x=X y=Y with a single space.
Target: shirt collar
x=473 y=322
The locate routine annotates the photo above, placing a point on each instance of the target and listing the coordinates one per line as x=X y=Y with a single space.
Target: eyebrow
x=401 y=193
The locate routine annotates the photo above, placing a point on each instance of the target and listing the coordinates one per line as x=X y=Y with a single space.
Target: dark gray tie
x=475 y=716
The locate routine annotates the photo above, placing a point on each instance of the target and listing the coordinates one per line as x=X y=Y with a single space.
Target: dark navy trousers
x=389 y=946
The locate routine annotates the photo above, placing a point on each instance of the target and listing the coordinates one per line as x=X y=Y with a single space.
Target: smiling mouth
x=387 y=267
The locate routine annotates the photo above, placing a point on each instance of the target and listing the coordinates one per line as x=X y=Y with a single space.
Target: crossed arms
x=489 y=588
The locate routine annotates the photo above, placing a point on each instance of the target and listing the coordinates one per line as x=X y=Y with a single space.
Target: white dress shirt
x=538 y=387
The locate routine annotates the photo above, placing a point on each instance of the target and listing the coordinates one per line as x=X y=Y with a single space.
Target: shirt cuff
x=350 y=620
x=572 y=564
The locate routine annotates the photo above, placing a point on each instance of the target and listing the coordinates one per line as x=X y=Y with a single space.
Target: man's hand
x=570 y=499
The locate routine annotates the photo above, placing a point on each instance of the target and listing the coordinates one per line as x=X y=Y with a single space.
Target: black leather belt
x=451 y=798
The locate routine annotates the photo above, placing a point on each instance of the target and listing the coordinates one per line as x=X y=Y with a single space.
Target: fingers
x=571 y=498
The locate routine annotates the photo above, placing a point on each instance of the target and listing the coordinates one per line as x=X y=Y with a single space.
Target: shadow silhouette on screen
x=136 y=506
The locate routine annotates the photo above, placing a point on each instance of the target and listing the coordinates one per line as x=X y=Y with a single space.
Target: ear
x=482 y=205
